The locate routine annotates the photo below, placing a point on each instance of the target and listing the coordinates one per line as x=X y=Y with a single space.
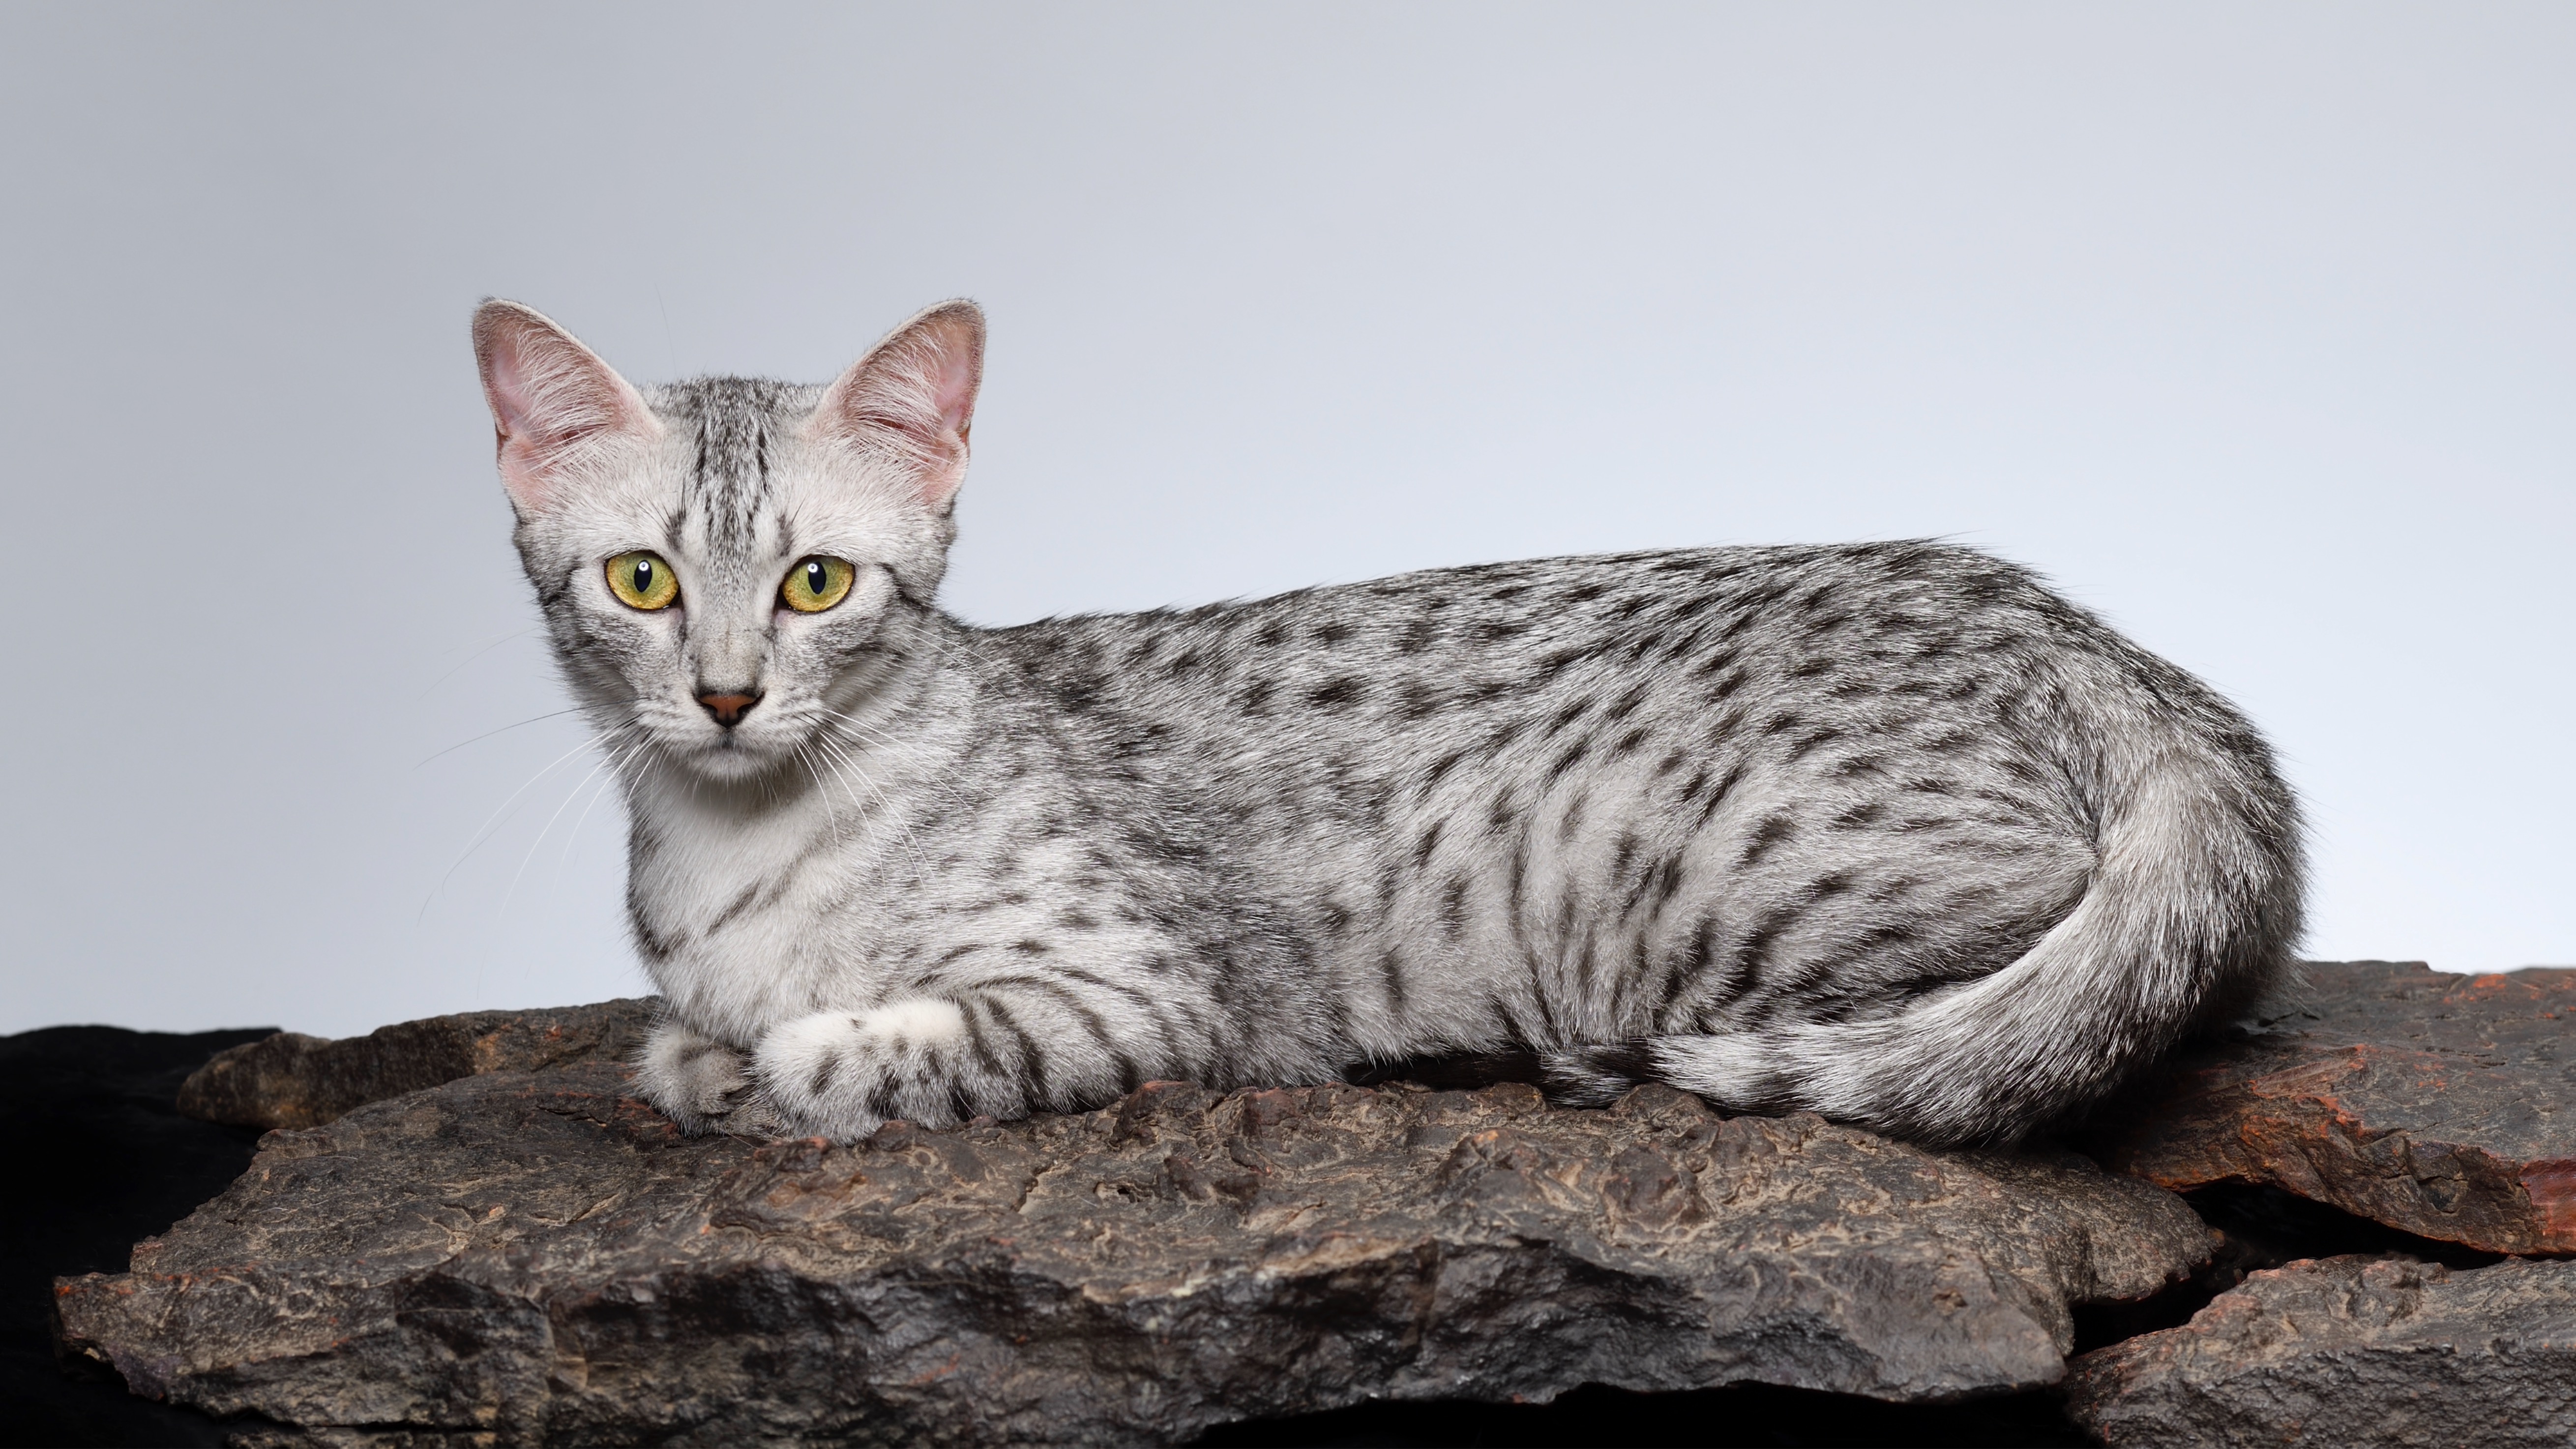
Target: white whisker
x=483 y=833
x=503 y=730
x=605 y=762
x=912 y=845
x=613 y=781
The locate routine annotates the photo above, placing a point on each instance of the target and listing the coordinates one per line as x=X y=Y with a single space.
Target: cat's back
x=1933 y=629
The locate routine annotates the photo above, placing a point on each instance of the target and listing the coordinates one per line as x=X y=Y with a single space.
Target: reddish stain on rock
x=2441 y=1105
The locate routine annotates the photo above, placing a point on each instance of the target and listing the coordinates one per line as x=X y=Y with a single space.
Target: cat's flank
x=1884 y=830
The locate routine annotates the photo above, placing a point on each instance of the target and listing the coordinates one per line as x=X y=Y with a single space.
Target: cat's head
x=726 y=565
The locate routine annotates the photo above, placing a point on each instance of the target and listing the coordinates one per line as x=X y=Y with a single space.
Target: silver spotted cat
x=1883 y=830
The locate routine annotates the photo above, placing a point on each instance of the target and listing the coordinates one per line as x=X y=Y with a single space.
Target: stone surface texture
x=521 y=1258
x=294 y=1080
x=2441 y=1105
x=2351 y=1351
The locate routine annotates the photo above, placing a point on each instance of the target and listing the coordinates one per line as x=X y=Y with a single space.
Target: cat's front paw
x=750 y=1113
x=704 y=1085
x=843 y=1075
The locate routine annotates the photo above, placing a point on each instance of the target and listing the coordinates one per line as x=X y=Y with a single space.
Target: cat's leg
x=703 y=1085
x=1734 y=1072
x=994 y=1049
x=1596 y=1074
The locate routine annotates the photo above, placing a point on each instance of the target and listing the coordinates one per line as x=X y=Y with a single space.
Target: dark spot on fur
x=1807 y=743
x=1860 y=815
x=1441 y=767
x=1453 y=906
x=1770 y=833
x=1390 y=970
x=1568 y=760
x=1336 y=692
x=1556 y=662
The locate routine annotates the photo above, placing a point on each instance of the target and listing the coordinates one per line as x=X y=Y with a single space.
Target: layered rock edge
x=2443 y=1106
x=293 y=1080
x=2351 y=1351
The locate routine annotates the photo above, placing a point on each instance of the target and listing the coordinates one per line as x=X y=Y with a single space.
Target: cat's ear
x=913 y=395
x=554 y=403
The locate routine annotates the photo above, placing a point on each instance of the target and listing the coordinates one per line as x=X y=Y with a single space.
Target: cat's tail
x=2192 y=909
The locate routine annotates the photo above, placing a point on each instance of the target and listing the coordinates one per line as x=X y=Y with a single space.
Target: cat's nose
x=728 y=708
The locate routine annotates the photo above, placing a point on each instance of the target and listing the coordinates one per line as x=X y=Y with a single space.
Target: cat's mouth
x=733 y=754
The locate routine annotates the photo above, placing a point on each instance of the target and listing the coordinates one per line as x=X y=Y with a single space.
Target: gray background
x=2250 y=325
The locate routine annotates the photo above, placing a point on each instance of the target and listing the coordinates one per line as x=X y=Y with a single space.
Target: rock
x=294 y=1080
x=2351 y=1350
x=2441 y=1105
x=539 y=1257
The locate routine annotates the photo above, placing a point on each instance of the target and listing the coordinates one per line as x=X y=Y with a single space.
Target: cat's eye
x=816 y=584
x=642 y=580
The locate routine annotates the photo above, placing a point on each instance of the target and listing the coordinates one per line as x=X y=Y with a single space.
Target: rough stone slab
x=2441 y=1105
x=542 y=1258
x=2351 y=1351
x=293 y=1080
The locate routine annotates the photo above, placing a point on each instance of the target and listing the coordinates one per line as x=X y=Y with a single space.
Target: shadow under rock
x=2259 y=1227
x=1746 y=1415
x=99 y=1157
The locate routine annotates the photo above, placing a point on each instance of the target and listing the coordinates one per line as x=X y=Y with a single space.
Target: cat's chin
x=734 y=762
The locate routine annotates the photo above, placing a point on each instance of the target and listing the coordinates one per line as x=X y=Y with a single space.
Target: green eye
x=641 y=580
x=816 y=584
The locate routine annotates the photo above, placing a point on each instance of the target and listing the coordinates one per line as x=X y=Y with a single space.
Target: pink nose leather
x=728 y=708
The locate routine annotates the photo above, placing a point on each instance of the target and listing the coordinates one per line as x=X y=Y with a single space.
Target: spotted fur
x=1885 y=830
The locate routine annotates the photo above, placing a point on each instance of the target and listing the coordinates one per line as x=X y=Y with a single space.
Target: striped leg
x=1002 y=1048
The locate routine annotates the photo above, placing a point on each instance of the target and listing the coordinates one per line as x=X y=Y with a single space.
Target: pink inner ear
x=549 y=395
x=507 y=389
x=915 y=395
x=960 y=369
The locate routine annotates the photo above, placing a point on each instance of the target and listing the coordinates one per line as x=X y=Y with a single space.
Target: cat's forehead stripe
x=735 y=425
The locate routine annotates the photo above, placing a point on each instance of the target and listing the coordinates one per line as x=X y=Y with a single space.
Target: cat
x=1886 y=831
